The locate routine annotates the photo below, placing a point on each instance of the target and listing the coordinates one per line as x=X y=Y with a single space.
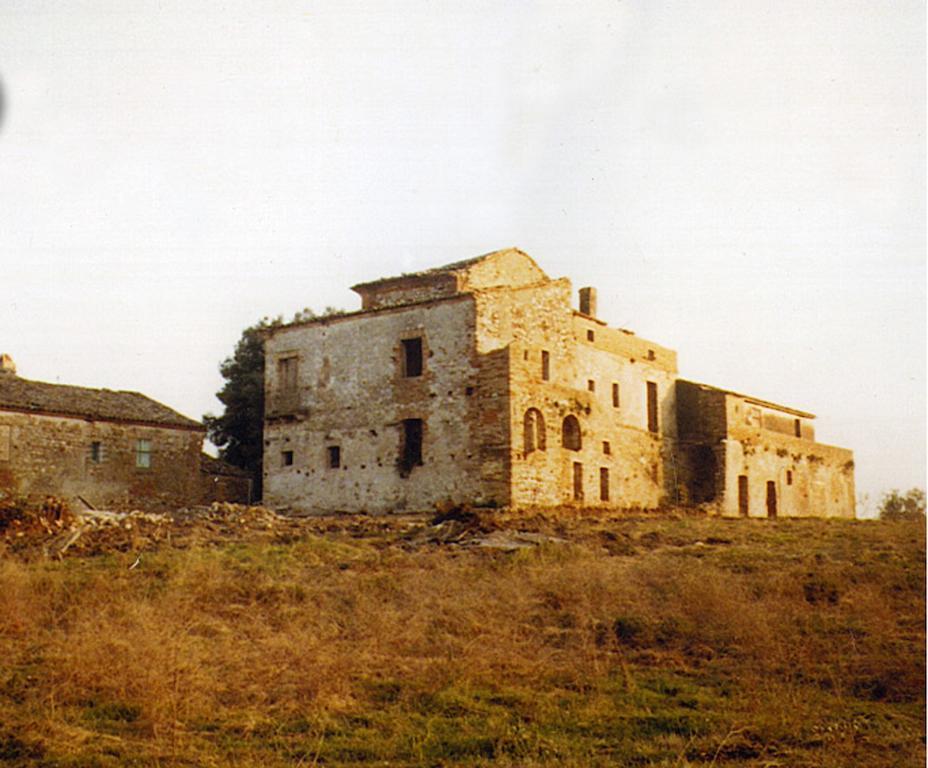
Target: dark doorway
x=411 y=448
x=652 y=407
x=771 y=499
x=743 y=495
x=578 y=481
x=705 y=469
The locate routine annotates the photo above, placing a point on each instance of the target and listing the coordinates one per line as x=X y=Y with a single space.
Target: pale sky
x=743 y=182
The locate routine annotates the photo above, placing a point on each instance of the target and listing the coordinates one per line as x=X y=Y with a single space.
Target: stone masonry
x=96 y=447
x=478 y=382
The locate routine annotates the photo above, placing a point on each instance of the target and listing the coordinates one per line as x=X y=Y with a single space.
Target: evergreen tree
x=239 y=431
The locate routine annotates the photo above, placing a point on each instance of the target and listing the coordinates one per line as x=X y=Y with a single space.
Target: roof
x=25 y=396
x=749 y=399
x=455 y=266
x=210 y=465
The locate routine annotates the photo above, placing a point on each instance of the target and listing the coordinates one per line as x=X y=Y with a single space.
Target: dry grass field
x=641 y=641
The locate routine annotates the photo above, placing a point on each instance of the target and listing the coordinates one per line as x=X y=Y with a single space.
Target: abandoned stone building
x=478 y=382
x=100 y=448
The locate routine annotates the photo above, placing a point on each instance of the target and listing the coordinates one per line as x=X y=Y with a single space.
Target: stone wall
x=724 y=436
x=538 y=319
x=352 y=395
x=809 y=478
x=51 y=455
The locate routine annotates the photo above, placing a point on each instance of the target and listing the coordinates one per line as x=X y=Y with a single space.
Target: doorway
x=771 y=499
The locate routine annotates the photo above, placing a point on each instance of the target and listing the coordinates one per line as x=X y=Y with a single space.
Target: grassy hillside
x=636 y=641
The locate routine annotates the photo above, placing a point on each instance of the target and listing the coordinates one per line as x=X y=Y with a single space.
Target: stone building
x=478 y=382
x=95 y=447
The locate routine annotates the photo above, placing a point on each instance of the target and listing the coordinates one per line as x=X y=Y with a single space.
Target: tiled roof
x=455 y=266
x=18 y=394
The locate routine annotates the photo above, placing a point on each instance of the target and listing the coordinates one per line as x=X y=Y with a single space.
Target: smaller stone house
x=753 y=458
x=95 y=447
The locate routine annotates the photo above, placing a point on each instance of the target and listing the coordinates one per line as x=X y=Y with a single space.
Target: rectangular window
x=578 y=481
x=652 y=407
x=743 y=495
x=96 y=452
x=797 y=427
x=412 y=357
x=143 y=454
x=287 y=372
x=411 y=449
x=590 y=336
x=545 y=366
x=591 y=385
x=615 y=394
x=651 y=354
x=335 y=456
x=286 y=458
x=789 y=477
x=607 y=448
x=603 y=484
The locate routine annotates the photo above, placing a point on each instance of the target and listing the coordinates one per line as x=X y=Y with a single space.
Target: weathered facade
x=476 y=382
x=753 y=458
x=95 y=447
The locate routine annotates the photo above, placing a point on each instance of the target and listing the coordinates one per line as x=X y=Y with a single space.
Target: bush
x=908 y=506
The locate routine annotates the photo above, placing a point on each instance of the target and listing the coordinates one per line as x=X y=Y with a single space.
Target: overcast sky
x=743 y=182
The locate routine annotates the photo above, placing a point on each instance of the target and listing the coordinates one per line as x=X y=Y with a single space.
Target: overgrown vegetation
x=647 y=641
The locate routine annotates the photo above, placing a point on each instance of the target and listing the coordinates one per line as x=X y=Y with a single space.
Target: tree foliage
x=239 y=431
x=899 y=506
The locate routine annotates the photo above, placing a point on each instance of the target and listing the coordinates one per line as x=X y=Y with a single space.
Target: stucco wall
x=51 y=455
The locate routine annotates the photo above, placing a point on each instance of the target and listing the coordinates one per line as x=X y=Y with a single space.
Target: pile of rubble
x=53 y=529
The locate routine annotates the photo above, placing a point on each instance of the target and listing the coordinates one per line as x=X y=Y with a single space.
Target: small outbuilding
x=96 y=448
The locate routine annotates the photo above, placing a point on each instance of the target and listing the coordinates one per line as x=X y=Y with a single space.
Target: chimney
x=7 y=365
x=588 y=301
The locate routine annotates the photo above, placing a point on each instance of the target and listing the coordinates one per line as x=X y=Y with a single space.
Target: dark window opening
x=652 y=407
x=96 y=452
x=412 y=357
x=335 y=456
x=743 y=495
x=533 y=428
x=771 y=499
x=590 y=336
x=789 y=477
x=545 y=366
x=650 y=354
x=603 y=484
x=607 y=448
x=578 y=481
x=287 y=373
x=591 y=385
x=797 y=427
x=615 y=394
x=570 y=433
x=286 y=458
x=411 y=448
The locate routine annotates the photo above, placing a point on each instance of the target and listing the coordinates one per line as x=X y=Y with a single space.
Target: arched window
x=534 y=430
x=570 y=433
